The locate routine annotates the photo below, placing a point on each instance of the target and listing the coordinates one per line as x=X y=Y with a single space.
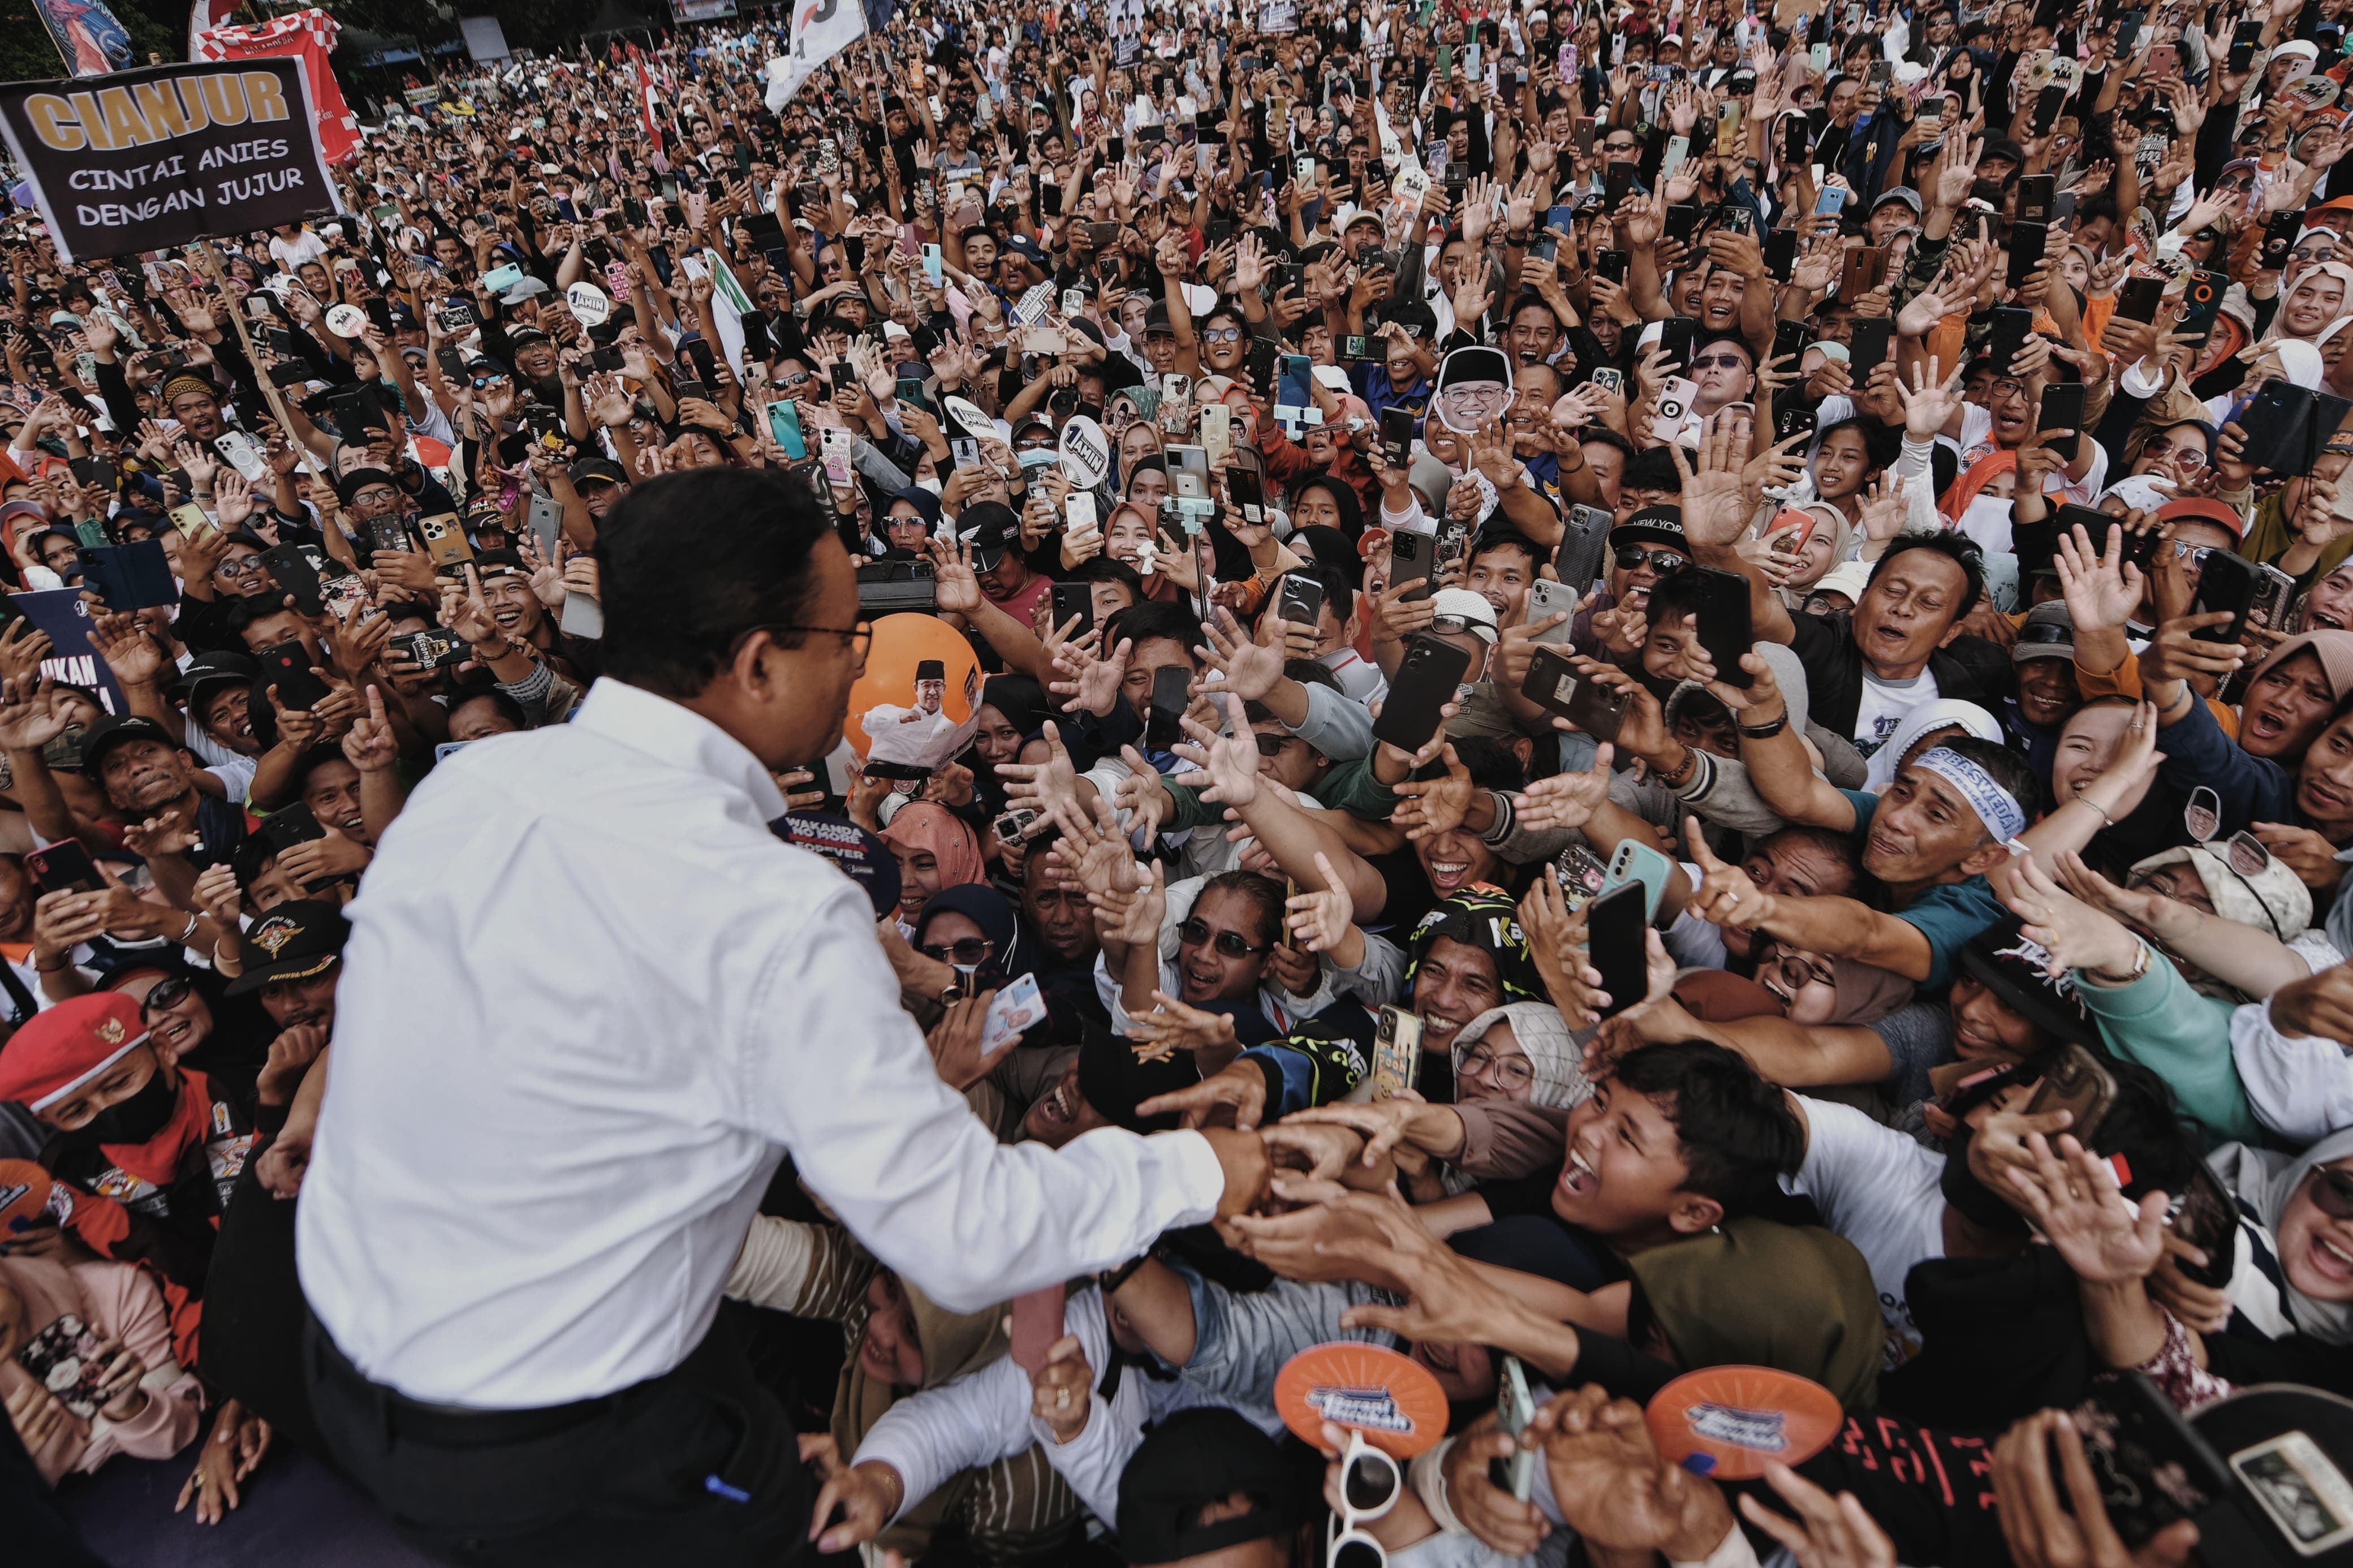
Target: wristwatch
x=1767 y=731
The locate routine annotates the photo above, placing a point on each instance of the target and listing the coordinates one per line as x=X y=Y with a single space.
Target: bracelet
x=186 y=935
x=1767 y=731
x=2095 y=805
x=52 y=968
x=2139 y=968
x=1676 y=779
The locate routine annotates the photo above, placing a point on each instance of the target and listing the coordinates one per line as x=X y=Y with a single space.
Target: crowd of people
x=1355 y=487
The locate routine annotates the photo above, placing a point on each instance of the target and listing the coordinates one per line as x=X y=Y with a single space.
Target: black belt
x=448 y=1424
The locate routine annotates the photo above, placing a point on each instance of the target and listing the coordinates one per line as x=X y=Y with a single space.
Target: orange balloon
x=914 y=720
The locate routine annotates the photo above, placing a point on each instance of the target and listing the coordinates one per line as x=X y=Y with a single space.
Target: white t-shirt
x=1880 y=1190
x=292 y=253
x=1884 y=703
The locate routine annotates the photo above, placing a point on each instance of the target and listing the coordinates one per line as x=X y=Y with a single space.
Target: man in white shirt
x=590 y=1003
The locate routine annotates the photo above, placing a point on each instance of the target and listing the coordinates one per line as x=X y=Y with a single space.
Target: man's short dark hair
x=1650 y=468
x=1739 y=1136
x=501 y=704
x=1111 y=569
x=1149 y=620
x=1506 y=538
x=693 y=563
x=1959 y=548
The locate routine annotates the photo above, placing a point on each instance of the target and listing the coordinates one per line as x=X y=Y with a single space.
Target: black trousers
x=699 y=1465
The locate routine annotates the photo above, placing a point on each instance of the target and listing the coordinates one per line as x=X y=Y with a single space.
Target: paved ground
x=296 y=1514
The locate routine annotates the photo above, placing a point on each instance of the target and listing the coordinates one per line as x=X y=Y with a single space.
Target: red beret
x=67 y=1046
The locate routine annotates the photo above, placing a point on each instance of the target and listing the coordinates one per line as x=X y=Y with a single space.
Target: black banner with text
x=144 y=159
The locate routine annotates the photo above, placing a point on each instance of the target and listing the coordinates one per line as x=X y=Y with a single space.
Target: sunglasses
x=2332 y=1193
x=965 y=953
x=1272 y=745
x=166 y=995
x=1370 y=1483
x=1633 y=557
x=1196 y=932
x=1720 y=362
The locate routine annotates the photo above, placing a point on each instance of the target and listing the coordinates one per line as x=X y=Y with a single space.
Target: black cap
x=2010 y=964
x=1657 y=525
x=301 y=938
x=597 y=471
x=218 y=667
x=1192 y=1459
x=1114 y=1081
x=113 y=731
x=358 y=479
x=991 y=528
x=1416 y=318
x=1156 y=319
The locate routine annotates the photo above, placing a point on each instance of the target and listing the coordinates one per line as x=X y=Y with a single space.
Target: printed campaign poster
x=147 y=159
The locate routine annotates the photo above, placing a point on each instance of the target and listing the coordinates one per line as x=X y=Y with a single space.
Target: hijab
x=1344 y=501
x=925 y=824
x=1807 y=1303
x=953 y=1343
x=1942 y=714
x=1543 y=1035
x=2264 y=1182
x=925 y=503
x=985 y=907
x=2333 y=648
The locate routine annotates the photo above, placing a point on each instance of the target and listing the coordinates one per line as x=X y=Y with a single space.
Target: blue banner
x=93 y=42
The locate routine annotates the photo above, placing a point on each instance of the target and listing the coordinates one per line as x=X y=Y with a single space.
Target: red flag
x=647 y=99
x=309 y=36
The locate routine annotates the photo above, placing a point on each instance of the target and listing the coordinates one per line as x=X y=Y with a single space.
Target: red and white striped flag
x=647 y=100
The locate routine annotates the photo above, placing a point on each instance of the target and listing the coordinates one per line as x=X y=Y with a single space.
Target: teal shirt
x=2184 y=1039
x=1947 y=915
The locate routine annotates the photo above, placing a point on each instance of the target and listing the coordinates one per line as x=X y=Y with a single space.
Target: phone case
x=63 y=1358
x=1397 y=1053
x=445 y=538
x=1426 y=679
x=1633 y=862
x=1614 y=925
x=1515 y=1408
x=2078 y=1084
x=1547 y=599
x=1019 y=1006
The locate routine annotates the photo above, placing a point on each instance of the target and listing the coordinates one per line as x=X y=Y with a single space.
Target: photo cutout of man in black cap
x=1475 y=387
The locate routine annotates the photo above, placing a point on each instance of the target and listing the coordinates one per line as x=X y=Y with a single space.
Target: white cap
x=1848 y=578
x=1471 y=608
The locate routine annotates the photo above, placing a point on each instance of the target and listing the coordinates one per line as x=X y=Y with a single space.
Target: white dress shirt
x=589 y=1002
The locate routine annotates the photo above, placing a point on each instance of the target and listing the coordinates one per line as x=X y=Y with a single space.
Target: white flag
x=821 y=29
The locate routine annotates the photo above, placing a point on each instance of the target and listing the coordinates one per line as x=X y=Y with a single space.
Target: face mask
x=135 y=1120
x=932 y=485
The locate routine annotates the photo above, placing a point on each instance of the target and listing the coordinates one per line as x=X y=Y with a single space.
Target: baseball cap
x=1472 y=609
x=2199 y=508
x=2049 y=632
x=1156 y=319
x=303 y=938
x=1197 y=1457
x=1903 y=194
x=218 y=667
x=117 y=728
x=991 y=529
x=1655 y=524
x=2010 y=964
x=1849 y=578
x=597 y=471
